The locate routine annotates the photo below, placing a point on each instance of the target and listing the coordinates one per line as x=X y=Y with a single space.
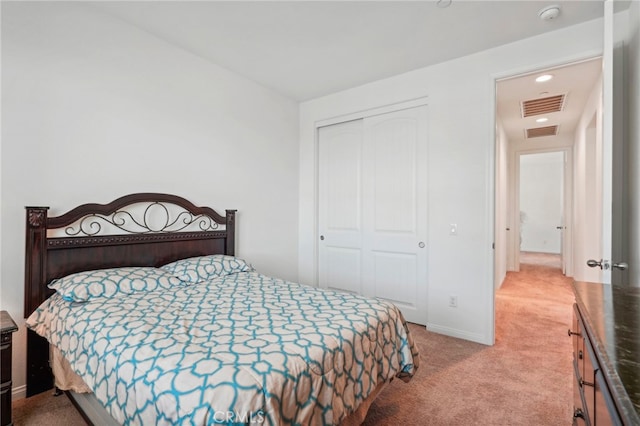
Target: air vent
x=542 y=131
x=543 y=105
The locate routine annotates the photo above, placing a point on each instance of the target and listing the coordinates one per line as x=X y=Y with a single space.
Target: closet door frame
x=368 y=113
x=423 y=101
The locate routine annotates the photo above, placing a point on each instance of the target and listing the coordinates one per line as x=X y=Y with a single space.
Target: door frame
x=567 y=203
x=495 y=79
x=493 y=182
x=356 y=115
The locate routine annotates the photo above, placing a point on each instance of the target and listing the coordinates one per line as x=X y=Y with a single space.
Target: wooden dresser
x=606 y=354
x=7 y=327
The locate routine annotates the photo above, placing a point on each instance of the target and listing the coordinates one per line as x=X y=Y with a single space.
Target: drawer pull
x=580 y=355
x=584 y=383
x=572 y=333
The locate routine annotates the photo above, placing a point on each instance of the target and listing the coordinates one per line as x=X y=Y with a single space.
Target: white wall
x=93 y=109
x=461 y=166
x=541 y=201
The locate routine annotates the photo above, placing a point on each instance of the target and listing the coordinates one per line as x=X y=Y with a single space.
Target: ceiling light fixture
x=443 y=3
x=542 y=120
x=543 y=78
x=549 y=13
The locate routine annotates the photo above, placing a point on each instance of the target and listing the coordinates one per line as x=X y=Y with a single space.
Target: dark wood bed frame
x=50 y=257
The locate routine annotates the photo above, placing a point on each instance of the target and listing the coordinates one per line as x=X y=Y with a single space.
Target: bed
x=144 y=302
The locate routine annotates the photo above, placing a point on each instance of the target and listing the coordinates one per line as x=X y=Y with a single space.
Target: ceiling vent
x=542 y=105
x=542 y=131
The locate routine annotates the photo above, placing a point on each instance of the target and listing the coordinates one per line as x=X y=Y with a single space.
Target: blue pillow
x=204 y=268
x=83 y=286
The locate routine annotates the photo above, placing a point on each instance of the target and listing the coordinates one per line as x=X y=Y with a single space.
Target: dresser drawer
x=592 y=399
x=5 y=380
x=5 y=358
x=5 y=338
x=7 y=327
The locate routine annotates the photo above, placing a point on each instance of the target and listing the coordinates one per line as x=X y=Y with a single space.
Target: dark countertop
x=6 y=323
x=611 y=316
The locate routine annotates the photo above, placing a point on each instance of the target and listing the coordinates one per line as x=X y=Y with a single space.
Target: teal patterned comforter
x=242 y=348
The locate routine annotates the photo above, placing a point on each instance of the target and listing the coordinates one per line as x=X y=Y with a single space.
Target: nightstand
x=7 y=327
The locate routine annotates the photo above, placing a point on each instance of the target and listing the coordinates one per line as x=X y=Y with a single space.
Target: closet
x=372 y=199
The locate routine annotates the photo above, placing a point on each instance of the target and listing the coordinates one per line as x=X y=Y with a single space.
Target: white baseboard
x=18 y=392
x=453 y=332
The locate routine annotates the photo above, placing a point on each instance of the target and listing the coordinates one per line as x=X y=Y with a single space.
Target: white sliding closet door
x=340 y=207
x=373 y=208
x=395 y=210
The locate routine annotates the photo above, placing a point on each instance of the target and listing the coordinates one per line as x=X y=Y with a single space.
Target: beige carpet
x=524 y=379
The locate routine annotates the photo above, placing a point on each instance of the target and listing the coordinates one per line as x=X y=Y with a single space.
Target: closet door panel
x=393 y=174
x=394 y=278
x=373 y=208
x=340 y=207
x=395 y=210
x=343 y=269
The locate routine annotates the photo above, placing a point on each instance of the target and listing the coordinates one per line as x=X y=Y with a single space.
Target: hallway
x=552 y=261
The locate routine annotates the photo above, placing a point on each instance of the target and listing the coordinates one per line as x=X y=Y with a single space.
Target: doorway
x=533 y=116
x=541 y=200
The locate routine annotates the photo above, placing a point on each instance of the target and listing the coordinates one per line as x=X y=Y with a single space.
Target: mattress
x=240 y=348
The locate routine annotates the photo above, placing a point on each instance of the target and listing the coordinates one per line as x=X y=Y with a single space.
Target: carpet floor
x=524 y=379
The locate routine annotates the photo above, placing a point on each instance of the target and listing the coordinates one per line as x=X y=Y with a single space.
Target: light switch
x=453 y=229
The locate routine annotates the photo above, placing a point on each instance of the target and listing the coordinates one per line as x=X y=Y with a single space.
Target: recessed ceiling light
x=443 y=3
x=542 y=120
x=544 y=77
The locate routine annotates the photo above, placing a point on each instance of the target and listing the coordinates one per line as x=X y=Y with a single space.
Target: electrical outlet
x=453 y=301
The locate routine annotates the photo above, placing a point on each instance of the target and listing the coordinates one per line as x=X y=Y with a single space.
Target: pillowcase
x=83 y=286
x=203 y=268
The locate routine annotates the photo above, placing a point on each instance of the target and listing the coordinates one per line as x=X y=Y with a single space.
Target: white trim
x=454 y=332
x=18 y=392
x=383 y=109
x=568 y=207
x=548 y=66
x=514 y=210
x=316 y=206
x=607 y=140
x=490 y=231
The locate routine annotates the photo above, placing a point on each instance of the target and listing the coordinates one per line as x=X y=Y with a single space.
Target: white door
x=565 y=235
x=378 y=180
x=340 y=207
x=612 y=259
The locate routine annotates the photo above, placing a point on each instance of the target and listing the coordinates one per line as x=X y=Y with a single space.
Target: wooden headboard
x=145 y=229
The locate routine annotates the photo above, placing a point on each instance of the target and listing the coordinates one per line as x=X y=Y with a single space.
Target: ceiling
x=307 y=49
x=574 y=81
